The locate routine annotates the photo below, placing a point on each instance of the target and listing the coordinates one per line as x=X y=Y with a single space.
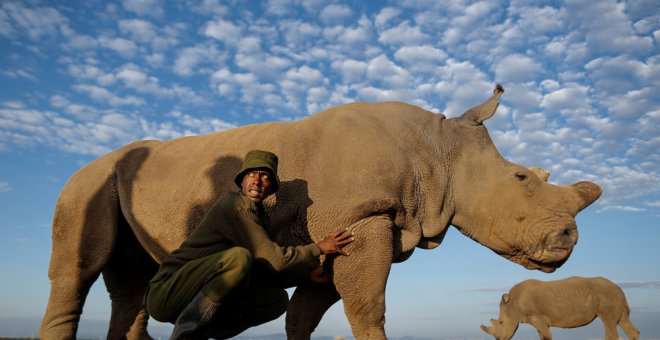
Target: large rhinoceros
x=396 y=174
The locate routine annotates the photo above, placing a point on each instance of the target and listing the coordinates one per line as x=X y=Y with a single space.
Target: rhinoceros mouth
x=546 y=264
x=547 y=267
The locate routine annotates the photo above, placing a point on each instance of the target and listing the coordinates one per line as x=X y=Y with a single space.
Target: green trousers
x=224 y=278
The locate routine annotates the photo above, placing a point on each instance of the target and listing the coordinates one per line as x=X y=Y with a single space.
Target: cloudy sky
x=582 y=80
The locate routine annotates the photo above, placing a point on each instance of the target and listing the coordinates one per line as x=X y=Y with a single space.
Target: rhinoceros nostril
x=569 y=236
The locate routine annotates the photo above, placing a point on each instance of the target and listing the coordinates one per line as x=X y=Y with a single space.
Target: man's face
x=257 y=184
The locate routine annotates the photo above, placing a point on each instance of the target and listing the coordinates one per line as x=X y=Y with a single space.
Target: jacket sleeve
x=249 y=233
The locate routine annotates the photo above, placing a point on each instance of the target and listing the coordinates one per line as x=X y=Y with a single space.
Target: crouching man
x=205 y=287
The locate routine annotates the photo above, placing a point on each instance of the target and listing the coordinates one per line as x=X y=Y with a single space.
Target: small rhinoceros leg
x=542 y=328
x=306 y=308
x=361 y=277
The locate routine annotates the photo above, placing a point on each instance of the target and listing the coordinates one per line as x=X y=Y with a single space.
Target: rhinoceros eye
x=521 y=176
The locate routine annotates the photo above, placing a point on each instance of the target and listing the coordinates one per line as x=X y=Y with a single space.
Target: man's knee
x=231 y=274
x=237 y=261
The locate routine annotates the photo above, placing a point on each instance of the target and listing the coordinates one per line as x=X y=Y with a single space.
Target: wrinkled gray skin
x=397 y=175
x=567 y=303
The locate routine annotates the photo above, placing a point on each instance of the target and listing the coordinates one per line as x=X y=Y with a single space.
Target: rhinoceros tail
x=631 y=331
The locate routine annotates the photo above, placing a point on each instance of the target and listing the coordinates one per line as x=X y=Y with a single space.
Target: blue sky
x=582 y=80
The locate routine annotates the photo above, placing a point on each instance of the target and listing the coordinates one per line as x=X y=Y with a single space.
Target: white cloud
x=517 y=68
x=81 y=42
x=91 y=71
x=462 y=86
x=374 y=94
x=35 y=22
x=296 y=83
x=299 y=33
x=570 y=97
x=229 y=84
x=625 y=208
x=138 y=30
x=464 y=20
x=103 y=95
x=385 y=16
x=317 y=99
x=107 y=130
x=607 y=28
x=382 y=69
x=225 y=31
x=19 y=74
x=617 y=74
x=144 y=7
x=403 y=34
x=525 y=98
x=421 y=57
x=189 y=59
x=5 y=187
x=634 y=104
x=535 y=21
x=279 y=7
x=335 y=13
x=124 y=47
x=80 y=112
x=263 y=64
x=210 y=7
x=351 y=70
x=345 y=35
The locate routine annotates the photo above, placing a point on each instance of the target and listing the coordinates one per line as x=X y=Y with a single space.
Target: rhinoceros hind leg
x=65 y=303
x=84 y=229
x=611 y=332
x=306 y=308
x=126 y=277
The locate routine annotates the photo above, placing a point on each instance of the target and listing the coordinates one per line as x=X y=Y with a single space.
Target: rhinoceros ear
x=540 y=173
x=505 y=298
x=486 y=109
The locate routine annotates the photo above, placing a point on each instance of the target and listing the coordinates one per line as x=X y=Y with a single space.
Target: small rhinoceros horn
x=486 y=109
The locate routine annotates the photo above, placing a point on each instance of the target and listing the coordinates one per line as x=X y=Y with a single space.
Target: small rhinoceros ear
x=505 y=298
x=486 y=109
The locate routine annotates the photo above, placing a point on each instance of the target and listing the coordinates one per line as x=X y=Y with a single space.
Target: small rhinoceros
x=567 y=303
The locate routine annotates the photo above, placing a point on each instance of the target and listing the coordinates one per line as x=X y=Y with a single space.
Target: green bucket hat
x=256 y=159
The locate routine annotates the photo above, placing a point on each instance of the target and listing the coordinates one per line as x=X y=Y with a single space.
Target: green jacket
x=233 y=221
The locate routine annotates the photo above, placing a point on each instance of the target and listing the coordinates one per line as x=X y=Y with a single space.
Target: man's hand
x=332 y=244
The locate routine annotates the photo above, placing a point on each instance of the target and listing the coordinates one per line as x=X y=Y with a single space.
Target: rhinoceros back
x=165 y=187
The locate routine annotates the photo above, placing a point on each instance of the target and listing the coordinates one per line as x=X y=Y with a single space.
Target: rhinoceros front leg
x=306 y=308
x=541 y=327
x=361 y=277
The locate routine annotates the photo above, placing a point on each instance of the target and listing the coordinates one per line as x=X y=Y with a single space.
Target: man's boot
x=191 y=323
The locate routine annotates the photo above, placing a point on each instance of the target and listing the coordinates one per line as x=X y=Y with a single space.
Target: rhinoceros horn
x=486 y=109
x=588 y=192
